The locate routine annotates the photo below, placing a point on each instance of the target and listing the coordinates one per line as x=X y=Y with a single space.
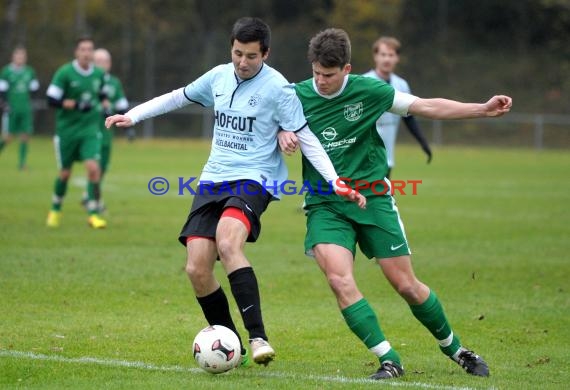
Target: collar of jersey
x=16 y=68
x=80 y=70
x=239 y=81
x=345 y=81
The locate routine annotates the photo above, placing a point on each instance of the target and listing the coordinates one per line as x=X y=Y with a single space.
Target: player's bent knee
x=64 y=174
x=410 y=291
x=341 y=284
x=196 y=273
x=227 y=248
x=92 y=166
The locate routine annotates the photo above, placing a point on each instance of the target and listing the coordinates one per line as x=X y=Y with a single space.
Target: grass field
x=113 y=308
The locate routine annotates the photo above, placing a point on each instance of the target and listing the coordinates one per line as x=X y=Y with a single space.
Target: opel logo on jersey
x=329 y=133
x=240 y=123
x=353 y=112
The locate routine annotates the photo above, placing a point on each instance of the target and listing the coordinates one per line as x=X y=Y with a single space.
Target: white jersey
x=387 y=125
x=247 y=116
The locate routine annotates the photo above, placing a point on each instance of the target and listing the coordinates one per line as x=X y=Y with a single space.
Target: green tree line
x=462 y=49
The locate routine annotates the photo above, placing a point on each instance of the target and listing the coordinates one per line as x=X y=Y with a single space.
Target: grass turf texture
x=489 y=231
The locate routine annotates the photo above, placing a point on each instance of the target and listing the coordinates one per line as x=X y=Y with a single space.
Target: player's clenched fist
x=498 y=105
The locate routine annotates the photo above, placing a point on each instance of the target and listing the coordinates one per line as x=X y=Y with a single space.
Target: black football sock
x=246 y=293
x=217 y=311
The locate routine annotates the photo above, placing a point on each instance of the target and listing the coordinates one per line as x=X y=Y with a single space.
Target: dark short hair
x=249 y=29
x=82 y=39
x=330 y=48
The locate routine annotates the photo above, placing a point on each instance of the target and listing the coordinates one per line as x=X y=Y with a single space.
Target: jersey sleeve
x=34 y=83
x=378 y=91
x=3 y=80
x=290 y=114
x=121 y=102
x=200 y=90
x=158 y=106
x=56 y=88
x=313 y=150
x=402 y=102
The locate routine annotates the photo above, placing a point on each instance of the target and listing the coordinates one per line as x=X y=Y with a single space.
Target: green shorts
x=69 y=149
x=378 y=229
x=106 y=136
x=19 y=122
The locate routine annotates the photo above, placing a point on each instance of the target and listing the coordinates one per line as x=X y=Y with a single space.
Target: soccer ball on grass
x=217 y=349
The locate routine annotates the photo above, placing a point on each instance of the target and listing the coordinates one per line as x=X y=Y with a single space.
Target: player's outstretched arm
x=450 y=109
x=154 y=107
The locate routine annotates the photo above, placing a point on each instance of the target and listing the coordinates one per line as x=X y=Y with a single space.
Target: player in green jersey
x=17 y=80
x=76 y=91
x=115 y=103
x=342 y=110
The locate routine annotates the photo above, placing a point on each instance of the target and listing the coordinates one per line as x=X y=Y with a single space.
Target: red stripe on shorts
x=238 y=214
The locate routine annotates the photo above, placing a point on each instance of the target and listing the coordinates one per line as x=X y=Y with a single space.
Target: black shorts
x=211 y=200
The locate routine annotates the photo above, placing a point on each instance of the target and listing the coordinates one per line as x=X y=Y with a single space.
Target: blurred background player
x=386 y=53
x=115 y=103
x=17 y=80
x=76 y=90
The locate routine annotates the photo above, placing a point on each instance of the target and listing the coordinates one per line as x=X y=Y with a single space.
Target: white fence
x=538 y=130
x=519 y=129
x=538 y=122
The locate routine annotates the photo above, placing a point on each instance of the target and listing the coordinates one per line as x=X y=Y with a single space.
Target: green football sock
x=85 y=196
x=361 y=319
x=23 y=154
x=2 y=144
x=92 y=197
x=59 y=190
x=101 y=185
x=431 y=315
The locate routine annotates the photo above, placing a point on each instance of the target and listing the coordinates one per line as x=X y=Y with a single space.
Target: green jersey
x=114 y=92
x=84 y=86
x=345 y=124
x=17 y=82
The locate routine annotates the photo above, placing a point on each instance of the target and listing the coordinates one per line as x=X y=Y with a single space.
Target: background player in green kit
x=342 y=111
x=115 y=103
x=17 y=80
x=76 y=92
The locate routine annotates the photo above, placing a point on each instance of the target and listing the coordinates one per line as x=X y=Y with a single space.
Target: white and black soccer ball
x=217 y=349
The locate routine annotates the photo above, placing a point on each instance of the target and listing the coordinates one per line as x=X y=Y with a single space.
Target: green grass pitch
x=114 y=309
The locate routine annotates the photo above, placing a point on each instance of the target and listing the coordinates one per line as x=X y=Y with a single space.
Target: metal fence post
x=437 y=132
x=148 y=128
x=538 y=131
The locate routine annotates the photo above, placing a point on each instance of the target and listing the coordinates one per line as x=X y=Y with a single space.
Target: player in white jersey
x=386 y=53
x=251 y=101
